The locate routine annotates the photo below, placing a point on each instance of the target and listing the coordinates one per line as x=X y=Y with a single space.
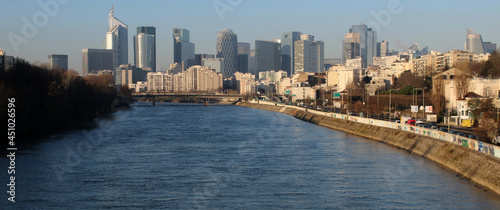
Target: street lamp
x=390 y=102
x=423 y=98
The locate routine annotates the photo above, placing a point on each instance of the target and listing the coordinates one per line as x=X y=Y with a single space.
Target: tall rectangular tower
x=367 y=43
x=243 y=56
x=183 y=49
x=267 y=56
x=117 y=40
x=288 y=51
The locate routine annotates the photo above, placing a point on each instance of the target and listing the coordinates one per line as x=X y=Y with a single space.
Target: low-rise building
x=272 y=76
x=128 y=74
x=245 y=83
x=378 y=83
x=302 y=91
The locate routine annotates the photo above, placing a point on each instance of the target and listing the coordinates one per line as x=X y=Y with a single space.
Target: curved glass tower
x=227 y=48
x=145 y=48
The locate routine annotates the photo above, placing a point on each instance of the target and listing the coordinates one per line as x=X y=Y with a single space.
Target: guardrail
x=483 y=147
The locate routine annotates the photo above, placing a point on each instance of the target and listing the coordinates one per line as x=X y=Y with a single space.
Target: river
x=211 y=157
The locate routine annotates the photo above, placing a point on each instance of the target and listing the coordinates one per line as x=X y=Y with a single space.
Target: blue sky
x=82 y=24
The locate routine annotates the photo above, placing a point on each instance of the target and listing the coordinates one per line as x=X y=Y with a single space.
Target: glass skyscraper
x=267 y=56
x=474 y=43
x=145 y=48
x=309 y=56
x=227 y=48
x=117 y=40
x=288 y=51
x=367 y=43
x=58 y=61
x=243 y=56
x=96 y=60
x=183 y=49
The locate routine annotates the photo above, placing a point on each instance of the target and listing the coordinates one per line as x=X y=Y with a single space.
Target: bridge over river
x=187 y=97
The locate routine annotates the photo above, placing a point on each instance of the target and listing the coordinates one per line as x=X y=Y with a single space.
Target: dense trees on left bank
x=48 y=100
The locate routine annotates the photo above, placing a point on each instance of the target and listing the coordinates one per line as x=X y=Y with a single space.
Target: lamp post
x=390 y=102
x=423 y=98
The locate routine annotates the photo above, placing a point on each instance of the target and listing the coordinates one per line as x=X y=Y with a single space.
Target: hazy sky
x=79 y=24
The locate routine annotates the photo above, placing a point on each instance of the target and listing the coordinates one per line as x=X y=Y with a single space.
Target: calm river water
x=190 y=156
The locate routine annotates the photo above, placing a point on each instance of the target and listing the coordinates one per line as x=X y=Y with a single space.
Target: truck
x=467 y=123
x=432 y=118
x=404 y=119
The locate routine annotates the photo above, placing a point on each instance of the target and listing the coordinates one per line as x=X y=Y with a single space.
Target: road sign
x=336 y=95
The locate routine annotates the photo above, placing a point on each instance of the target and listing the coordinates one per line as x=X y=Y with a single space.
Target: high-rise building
x=267 y=56
x=367 y=43
x=384 y=48
x=97 y=59
x=243 y=56
x=251 y=62
x=351 y=47
x=183 y=49
x=489 y=47
x=309 y=56
x=227 y=48
x=117 y=40
x=474 y=42
x=288 y=51
x=58 y=61
x=145 y=48
x=198 y=58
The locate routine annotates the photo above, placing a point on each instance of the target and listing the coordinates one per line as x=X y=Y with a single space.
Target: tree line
x=52 y=99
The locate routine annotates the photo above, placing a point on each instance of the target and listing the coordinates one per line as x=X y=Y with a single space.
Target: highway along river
x=213 y=157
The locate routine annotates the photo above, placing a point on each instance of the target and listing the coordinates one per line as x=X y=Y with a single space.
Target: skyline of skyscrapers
x=145 y=48
x=227 y=48
x=117 y=40
x=58 y=61
x=184 y=50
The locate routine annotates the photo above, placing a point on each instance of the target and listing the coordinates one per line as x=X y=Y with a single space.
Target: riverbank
x=470 y=164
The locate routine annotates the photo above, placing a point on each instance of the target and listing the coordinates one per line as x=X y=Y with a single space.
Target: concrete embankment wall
x=478 y=167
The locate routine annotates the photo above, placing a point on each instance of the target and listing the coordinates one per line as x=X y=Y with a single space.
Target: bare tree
x=438 y=99
x=462 y=78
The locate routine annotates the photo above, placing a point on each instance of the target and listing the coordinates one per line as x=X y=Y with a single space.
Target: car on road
x=471 y=136
x=443 y=129
x=461 y=134
x=453 y=132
